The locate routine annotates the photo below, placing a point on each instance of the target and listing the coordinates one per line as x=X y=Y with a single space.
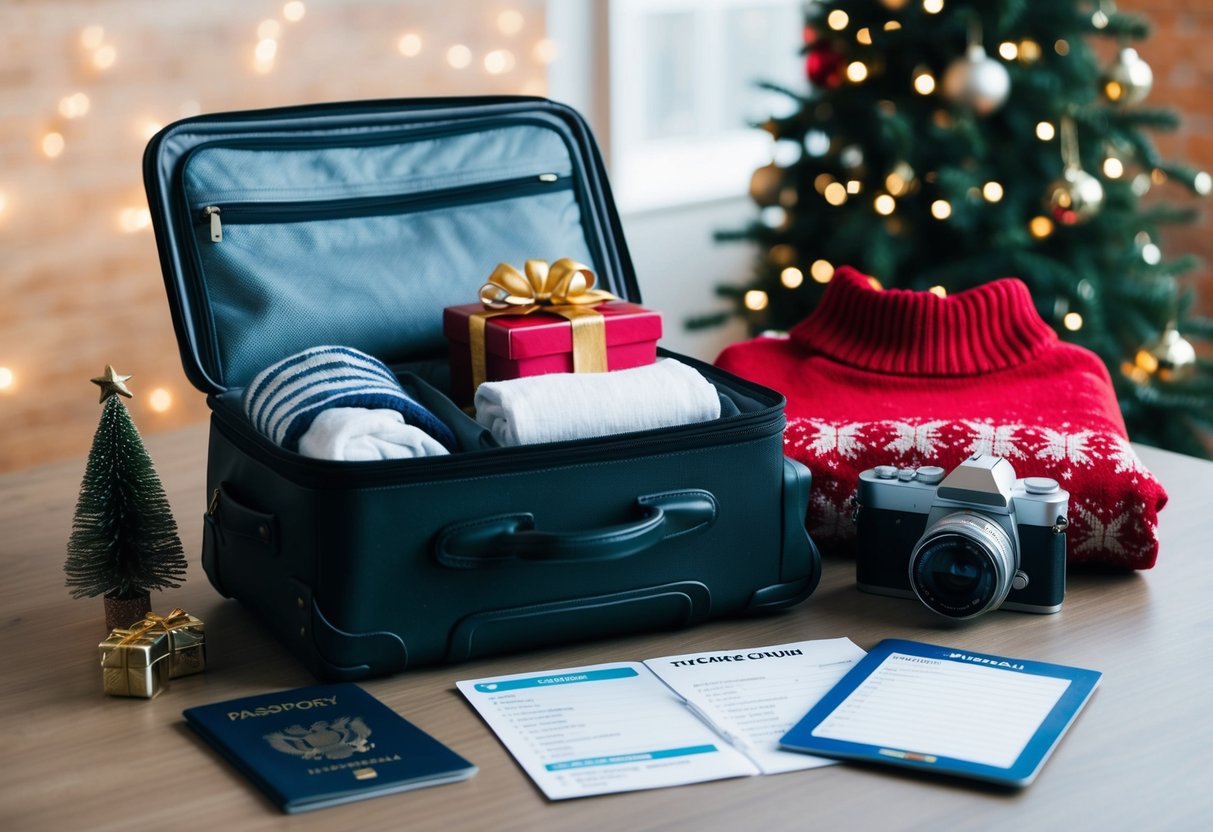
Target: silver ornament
x=1076 y=197
x=1170 y=358
x=977 y=81
x=1129 y=79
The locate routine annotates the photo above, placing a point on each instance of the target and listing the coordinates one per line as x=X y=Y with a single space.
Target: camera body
x=975 y=540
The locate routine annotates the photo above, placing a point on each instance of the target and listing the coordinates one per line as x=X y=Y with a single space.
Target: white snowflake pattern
x=997 y=440
x=1102 y=537
x=842 y=439
x=1124 y=456
x=923 y=438
x=1074 y=448
x=830 y=520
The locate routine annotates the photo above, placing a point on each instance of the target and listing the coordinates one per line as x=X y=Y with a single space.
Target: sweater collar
x=990 y=327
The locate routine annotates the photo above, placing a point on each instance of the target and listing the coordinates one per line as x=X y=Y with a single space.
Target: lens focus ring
x=963 y=565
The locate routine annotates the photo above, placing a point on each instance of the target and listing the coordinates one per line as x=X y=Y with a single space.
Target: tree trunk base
x=123 y=612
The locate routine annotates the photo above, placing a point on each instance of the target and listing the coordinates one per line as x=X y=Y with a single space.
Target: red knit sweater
x=908 y=378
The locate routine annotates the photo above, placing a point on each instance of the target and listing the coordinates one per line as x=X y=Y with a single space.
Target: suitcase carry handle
x=513 y=537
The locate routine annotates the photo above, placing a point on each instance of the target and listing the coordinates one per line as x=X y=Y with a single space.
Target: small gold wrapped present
x=140 y=659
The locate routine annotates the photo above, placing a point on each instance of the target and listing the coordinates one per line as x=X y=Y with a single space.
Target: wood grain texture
x=1138 y=756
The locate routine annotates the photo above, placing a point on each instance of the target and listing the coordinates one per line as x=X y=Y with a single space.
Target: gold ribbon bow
x=151 y=621
x=564 y=288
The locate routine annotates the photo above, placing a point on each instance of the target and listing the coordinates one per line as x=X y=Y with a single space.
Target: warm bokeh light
x=822 y=271
x=864 y=36
x=74 y=106
x=409 y=45
x=499 y=62
x=932 y=6
x=1045 y=131
x=941 y=209
x=1202 y=183
x=293 y=11
x=510 y=22
x=160 y=400
x=938 y=291
x=7 y=379
x=52 y=145
x=892 y=26
x=835 y=193
x=92 y=37
x=1029 y=51
x=756 y=299
x=854 y=186
x=884 y=205
x=791 y=277
x=1113 y=168
x=1061 y=46
x=1151 y=254
x=131 y=220
x=105 y=56
x=544 y=51
x=821 y=182
x=1072 y=321
x=459 y=56
x=1008 y=51
x=1040 y=227
x=924 y=83
x=857 y=71
x=992 y=191
x=269 y=28
x=266 y=50
x=838 y=20
x=145 y=128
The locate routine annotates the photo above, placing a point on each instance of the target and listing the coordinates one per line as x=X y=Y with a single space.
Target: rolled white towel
x=357 y=434
x=563 y=406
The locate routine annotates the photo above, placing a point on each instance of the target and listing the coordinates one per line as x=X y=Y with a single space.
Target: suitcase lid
x=357 y=223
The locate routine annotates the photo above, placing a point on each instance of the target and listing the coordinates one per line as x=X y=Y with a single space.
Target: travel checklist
x=668 y=721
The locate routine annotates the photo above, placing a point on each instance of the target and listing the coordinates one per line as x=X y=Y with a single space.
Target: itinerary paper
x=947 y=710
x=664 y=722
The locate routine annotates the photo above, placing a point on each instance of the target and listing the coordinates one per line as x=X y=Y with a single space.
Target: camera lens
x=962 y=566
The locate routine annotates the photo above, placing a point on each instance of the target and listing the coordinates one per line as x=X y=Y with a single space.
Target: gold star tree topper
x=112 y=383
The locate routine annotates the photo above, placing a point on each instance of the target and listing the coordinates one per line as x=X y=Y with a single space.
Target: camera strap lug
x=1061 y=524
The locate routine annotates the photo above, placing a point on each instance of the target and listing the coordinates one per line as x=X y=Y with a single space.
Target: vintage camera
x=976 y=540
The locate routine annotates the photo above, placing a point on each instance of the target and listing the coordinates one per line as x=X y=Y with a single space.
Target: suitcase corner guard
x=366 y=654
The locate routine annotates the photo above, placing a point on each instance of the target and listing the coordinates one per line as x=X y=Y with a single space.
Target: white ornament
x=977 y=81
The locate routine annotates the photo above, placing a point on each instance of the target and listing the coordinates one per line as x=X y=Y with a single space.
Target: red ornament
x=824 y=65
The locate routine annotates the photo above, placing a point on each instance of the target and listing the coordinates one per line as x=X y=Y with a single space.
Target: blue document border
x=1021 y=773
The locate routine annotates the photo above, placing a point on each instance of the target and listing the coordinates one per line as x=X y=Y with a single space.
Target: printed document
x=663 y=722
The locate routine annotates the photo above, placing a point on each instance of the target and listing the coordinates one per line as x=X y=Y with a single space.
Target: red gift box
x=542 y=342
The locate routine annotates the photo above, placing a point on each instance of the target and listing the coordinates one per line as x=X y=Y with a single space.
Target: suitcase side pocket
x=233 y=532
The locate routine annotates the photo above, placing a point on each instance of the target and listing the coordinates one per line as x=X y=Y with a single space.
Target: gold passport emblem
x=337 y=739
x=367 y=773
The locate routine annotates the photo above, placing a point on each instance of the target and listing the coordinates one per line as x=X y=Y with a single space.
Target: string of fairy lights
x=982 y=84
x=100 y=54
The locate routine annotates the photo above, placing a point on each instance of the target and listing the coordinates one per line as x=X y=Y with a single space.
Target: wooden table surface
x=1139 y=757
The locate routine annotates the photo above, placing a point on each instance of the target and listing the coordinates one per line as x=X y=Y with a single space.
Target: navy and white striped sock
x=283 y=399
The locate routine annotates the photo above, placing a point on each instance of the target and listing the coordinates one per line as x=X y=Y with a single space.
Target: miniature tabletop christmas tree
x=124 y=540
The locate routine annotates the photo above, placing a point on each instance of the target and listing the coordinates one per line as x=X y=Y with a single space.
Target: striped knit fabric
x=283 y=400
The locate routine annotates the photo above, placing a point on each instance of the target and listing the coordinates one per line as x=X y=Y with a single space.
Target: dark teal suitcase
x=356 y=224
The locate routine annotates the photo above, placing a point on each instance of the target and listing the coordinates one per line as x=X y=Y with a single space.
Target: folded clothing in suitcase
x=356 y=224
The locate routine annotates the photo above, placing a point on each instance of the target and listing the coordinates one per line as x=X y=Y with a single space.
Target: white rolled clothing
x=563 y=406
x=359 y=434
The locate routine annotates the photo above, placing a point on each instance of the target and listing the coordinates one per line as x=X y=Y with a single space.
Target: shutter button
x=886 y=472
x=1040 y=485
x=930 y=474
x=905 y=474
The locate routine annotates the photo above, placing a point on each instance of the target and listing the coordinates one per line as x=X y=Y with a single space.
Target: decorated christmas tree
x=947 y=143
x=124 y=540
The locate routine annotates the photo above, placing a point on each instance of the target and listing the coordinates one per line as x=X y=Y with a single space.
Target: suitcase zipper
x=379 y=205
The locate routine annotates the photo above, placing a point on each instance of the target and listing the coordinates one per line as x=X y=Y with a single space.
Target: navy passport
x=326 y=744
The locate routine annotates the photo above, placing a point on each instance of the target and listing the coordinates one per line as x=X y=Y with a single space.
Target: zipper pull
x=212 y=211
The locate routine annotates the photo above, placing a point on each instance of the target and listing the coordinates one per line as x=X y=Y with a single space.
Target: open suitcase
x=356 y=224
